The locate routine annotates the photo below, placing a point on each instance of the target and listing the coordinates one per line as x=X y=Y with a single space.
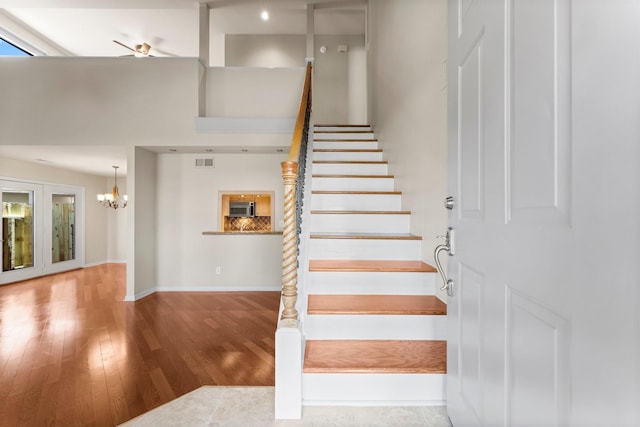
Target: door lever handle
x=448 y=246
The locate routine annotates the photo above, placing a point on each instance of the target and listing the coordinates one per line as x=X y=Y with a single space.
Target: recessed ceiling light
x=264 y=15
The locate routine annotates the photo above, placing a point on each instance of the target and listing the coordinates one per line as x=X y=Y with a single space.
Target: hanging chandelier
x=114 y=199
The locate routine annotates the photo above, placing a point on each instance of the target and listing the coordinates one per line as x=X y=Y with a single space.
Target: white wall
x=265 y=50
x=141 y=220
x=254 y=92
x=98 y=101
x=116 y=225
x=334 y=72
x=95 y=215
x=408 y=45
x=339 y=77
x=188 y=204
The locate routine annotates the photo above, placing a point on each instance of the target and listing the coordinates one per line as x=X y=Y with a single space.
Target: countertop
x=236 y=233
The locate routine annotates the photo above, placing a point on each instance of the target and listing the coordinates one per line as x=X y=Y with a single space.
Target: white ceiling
x=88 y=28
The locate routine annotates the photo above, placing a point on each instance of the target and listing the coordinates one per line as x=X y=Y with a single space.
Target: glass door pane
x=63 y=227
x=17 y=230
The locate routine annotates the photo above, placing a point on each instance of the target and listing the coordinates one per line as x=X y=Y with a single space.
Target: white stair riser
x=350 y=168
x=352 y=184
x=375 y=327
x=373 y=389
x=365 y=249
x=349 y=202
x=371 y=283
x=359 y=223
x=344 y=135
x=345 y=145
x=342 y=128
x=375 y=156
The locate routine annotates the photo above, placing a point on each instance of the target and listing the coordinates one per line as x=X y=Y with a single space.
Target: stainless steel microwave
x=242 y=209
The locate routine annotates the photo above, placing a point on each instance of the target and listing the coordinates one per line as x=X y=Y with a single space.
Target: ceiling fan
x=140 y=50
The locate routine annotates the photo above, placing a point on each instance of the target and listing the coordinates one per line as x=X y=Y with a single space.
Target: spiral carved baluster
x=290 y=244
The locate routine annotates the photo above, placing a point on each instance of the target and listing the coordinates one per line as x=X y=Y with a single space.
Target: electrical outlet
x=218 y=270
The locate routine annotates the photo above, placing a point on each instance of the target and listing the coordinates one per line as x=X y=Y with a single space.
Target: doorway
x=42 y=229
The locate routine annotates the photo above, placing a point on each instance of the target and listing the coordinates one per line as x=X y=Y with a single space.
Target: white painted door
x=544 y=148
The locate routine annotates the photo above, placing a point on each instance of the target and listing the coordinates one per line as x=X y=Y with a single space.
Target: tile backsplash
x=258 y=223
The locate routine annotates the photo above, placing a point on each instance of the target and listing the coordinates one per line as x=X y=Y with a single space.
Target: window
x=9 y=49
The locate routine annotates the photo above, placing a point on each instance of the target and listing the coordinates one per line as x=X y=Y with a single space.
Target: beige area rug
x=253 y=407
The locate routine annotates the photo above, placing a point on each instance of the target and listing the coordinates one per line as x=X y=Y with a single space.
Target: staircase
x=375 y=331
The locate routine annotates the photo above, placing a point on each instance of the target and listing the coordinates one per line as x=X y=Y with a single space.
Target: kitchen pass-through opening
x=246 y=212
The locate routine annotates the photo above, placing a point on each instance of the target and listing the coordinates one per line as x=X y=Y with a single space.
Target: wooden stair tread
x=369 y=356
x=370 y=266
x=337 y=150
x=342 y=131
x=341 y=126
x=350 y=162
x=327 y=175
x=343 y=140
x=358 y=192
x=362 y=212
x=366 y=236
x=376 y=304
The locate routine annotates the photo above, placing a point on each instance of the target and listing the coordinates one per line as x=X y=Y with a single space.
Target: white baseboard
x=140 y=295
x=244 y=288
x=376 y=403
x=95 y=264
x=257 y=288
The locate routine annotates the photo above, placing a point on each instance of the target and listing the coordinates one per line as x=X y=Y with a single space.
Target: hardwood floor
x=73 y=353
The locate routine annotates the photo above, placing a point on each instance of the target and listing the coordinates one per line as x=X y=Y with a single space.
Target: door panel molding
x=463 y=8
x=470 y=311
x=538 y=122
x=471 y=185
x=537 y=375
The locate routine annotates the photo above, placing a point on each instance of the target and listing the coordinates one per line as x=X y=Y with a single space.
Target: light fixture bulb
x=264 y=15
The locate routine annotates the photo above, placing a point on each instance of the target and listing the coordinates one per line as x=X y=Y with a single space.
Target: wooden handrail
x=296 y=139
x=292 y=173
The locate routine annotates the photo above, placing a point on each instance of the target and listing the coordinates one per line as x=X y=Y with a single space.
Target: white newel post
x=288 y=399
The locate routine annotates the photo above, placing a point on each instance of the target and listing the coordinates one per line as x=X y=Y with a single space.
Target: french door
x=21 y=221
x=42 y=229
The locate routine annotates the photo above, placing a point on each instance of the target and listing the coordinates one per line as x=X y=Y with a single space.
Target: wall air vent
x=205 y=163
